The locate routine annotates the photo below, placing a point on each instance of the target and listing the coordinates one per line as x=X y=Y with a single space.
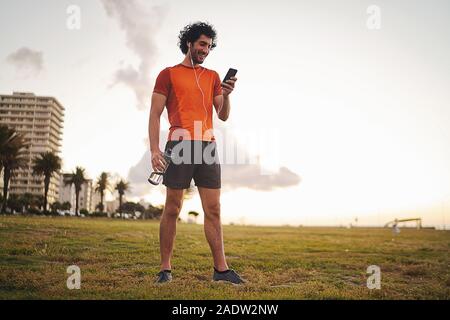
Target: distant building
x=113 y=206
x=96 y=199
x=85 y=200
x=41 y=119
x=67 y=194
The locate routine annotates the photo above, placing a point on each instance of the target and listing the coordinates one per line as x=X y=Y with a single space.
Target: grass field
x=119 y=260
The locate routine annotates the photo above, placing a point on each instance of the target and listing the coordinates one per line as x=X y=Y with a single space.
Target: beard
x=196 y=59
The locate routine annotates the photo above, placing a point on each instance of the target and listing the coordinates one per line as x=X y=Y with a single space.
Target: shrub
x=34 y=211
x=153 y=212
x=99 y=214
x=193 y=213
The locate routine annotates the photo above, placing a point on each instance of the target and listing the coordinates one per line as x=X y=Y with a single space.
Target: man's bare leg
x=168 y=225
x=213 y=227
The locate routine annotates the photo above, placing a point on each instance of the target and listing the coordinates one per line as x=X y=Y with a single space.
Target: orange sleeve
x=217 y=86
x=162 y=84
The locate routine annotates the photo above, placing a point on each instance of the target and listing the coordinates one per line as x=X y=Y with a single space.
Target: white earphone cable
x=201 y=91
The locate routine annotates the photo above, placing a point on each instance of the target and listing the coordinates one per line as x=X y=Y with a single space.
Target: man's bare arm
x=222 y=102
x=222 y=106
x=157 y=107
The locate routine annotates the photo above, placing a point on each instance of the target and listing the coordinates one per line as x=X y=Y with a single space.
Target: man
x=189 y=92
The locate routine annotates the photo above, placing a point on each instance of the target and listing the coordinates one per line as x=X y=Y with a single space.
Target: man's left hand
x=228 y=86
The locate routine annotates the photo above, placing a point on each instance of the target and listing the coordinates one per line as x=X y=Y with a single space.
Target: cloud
x=140 y=23
x=137 y=176
x=233 y=175
x=27 y=61
x=249 y=176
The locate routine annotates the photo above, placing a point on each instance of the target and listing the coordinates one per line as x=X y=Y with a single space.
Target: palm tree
x=76 y=178
x=121 y=187
x=12 y=148
x=39 y=201
x=101 y=186
x=6 y=136
x=46 y=164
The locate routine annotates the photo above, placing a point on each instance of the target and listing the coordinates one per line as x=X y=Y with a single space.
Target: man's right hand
x=158 y=161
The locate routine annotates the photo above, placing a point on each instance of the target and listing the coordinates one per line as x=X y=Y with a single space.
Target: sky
x=341 y=111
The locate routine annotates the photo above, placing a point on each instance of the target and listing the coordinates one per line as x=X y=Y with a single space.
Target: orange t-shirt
x=189 y=108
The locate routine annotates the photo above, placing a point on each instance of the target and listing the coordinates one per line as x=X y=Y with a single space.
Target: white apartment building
x=67 y=194
x=95 y=200
x=113 y=205
x=41 y=119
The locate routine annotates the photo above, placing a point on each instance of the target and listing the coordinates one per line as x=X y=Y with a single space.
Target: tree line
x=13 y=149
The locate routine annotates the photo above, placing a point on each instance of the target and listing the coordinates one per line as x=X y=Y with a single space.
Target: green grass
x=119 y=259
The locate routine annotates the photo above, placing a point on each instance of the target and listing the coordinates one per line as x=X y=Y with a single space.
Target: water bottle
x=157 y=176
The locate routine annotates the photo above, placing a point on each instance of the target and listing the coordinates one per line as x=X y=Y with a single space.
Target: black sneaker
x=164 y=276
x=228 y=276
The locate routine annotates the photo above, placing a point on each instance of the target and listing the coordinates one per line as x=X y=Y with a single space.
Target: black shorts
x=193 y=159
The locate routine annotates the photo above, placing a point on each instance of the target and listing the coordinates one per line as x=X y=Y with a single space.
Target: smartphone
x=231 y=73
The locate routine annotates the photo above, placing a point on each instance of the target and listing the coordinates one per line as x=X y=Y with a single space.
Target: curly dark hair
x=193 y=31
